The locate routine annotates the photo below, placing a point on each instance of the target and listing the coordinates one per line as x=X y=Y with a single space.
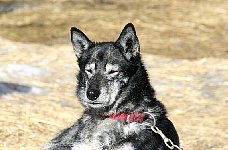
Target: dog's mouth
x=94 y=103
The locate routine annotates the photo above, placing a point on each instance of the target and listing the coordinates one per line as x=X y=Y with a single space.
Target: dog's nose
x=92 y=94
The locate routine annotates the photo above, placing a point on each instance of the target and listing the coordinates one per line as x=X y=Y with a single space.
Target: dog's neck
x=124 y=117
x=134 y=95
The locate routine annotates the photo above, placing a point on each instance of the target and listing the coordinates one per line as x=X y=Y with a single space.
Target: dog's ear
x=79 y=41
x=128 y=41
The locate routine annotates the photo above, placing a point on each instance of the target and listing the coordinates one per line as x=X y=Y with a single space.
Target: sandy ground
x=184 y=45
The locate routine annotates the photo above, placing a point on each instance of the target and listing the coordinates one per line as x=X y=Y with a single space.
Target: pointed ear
x=79 y=41
x=128 y=41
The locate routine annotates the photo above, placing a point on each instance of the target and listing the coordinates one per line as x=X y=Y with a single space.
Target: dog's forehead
x=105 y=53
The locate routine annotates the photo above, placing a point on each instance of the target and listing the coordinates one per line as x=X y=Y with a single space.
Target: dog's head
x=105 y=67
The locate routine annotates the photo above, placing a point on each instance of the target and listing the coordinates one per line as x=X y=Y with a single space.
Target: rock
x=38 y=91
x=6 y=7
x=8 y=88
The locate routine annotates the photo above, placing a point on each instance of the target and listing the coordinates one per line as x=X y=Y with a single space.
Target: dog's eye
x=113 y=72
x=89 y=71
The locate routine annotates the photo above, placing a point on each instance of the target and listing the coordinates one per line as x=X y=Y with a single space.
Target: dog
x=114 y=88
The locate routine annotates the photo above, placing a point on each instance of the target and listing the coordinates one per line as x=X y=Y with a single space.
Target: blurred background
x=184 y=45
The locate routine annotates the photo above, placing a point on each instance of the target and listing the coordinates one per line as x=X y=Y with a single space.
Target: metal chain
x=166 y=140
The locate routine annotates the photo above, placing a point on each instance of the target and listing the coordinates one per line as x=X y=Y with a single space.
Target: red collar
x=123 y=117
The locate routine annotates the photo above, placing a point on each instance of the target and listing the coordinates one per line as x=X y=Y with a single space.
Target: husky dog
x=114 y=88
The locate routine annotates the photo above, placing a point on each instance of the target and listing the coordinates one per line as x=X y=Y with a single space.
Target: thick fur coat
x=113 y=80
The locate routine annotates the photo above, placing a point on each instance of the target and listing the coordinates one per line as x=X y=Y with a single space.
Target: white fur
x=90 y=67
x=114 y=91
x=126 y=146
x=80 y=43
x=85 y=146
x=111 y=67
x=131 y=128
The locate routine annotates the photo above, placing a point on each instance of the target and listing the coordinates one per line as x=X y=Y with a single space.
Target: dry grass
x=179 y=29
x=28 y=121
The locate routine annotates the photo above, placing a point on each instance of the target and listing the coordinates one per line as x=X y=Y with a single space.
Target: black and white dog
x=114 y=88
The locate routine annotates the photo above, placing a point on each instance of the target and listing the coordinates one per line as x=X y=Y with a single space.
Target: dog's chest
x=101 y=134
x=92 y=129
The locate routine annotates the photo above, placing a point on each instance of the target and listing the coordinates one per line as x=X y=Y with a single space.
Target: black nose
x=93 y=94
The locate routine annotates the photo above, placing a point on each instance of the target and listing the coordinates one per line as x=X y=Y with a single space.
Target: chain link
x=166 y=140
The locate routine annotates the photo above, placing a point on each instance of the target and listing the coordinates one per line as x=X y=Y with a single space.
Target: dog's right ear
x=79 y=41
x=129 y=43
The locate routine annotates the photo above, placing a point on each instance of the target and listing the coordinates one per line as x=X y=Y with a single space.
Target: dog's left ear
x=129 y=43
x=79 y=41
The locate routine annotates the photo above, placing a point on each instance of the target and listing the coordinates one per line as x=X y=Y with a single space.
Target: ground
x=184 y=46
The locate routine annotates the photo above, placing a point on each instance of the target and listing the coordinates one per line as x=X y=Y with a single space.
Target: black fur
x=133 y=94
